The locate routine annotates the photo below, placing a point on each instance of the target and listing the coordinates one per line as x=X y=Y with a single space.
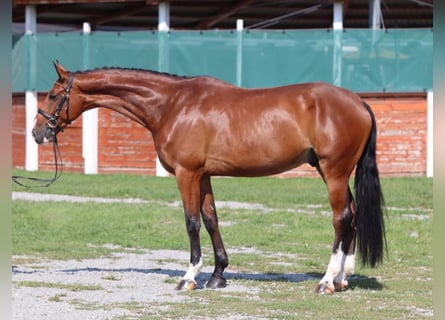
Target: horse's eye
x=52 y=97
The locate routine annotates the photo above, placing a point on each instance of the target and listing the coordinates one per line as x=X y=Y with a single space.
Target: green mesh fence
x=361 y=60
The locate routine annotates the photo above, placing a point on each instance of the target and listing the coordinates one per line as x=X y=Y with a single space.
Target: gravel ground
x=122 y=285
x=127 y=284
x=94 y=288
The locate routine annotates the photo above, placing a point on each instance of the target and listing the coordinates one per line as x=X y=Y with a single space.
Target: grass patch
x=276 y=245
x=64 y=230
x=70 y=287
x=408 y=192
x=57 y=297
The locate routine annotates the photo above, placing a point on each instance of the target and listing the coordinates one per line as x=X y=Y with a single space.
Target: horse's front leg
x=210 y=218
x=189 y=185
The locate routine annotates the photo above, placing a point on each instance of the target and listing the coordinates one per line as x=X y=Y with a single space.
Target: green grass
x=277 y=193
x=70 y=287
x=284 y=243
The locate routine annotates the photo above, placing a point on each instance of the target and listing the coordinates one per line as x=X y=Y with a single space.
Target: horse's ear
x=61 y=71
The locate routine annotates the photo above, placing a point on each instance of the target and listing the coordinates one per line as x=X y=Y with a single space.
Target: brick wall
x=126 y=147
x=18 y=131
x=402 y=138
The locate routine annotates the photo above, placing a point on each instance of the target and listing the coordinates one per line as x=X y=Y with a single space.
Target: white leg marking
x=340 y=266
x=334 y=267
x=193 y=271
x=349 y=264
x=347 y=268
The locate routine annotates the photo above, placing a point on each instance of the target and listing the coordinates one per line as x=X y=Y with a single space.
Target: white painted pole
x=32 y=148
x=375 y=14
x=31 y=97
x=86 y=28
x=164 y=16
x=429 y=148
x=30 y=19
x=89 y=119
x=239 y=51
x=337 y=25
x=163 y=27
x=338 y=16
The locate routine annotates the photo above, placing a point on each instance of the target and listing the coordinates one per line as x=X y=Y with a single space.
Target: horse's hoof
x=341 y=286
x=324 y=289
x=216 y=282
x=186 y=285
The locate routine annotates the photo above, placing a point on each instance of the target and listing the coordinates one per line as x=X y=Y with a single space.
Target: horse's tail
x=370 y=204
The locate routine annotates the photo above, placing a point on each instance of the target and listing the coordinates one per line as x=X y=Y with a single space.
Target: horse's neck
x=137 y=95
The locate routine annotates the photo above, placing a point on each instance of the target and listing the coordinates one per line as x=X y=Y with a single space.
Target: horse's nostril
x=38 y=139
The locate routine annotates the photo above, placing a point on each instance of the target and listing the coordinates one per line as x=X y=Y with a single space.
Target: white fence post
x=239 y=51
x=32 y=148
x=89 y=118
x=337 y=26
x=429 y=147
x=163 y=28
x=31 y=97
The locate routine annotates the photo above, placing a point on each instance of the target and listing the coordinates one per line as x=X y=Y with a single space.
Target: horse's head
x=59 y=108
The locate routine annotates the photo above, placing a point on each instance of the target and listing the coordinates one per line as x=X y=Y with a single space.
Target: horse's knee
x=210 y=222
x=193 y=225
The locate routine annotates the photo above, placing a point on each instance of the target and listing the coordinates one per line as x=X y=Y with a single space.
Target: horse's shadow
x=355 y=281
x=204 y=276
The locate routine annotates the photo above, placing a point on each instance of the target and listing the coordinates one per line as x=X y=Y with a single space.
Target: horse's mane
x=170 y=75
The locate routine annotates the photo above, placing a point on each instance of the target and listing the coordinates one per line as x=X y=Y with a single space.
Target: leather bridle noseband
x=53 y=120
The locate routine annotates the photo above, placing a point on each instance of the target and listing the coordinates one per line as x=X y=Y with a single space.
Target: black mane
x=134 y=69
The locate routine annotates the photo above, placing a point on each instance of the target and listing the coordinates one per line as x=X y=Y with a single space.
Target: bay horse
x=204 y=127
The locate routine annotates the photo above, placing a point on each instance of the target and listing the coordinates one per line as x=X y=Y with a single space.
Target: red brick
x=127 y=147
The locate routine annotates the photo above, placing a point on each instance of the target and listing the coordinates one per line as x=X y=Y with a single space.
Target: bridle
x=53 y=124
x=53 y=120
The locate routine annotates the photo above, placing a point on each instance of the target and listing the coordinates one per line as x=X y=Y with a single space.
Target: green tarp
x=361 y=60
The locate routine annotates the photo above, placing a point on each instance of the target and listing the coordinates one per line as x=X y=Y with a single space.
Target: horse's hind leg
x=342 y=262
x=210 y=218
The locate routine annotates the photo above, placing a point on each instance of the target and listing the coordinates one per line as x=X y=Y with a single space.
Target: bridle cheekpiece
x=53 y=119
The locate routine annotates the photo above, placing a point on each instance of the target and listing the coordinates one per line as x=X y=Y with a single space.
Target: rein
x=44 y=182
x=53 y=124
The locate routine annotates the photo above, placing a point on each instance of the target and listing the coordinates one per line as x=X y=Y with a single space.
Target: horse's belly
x=255 y=162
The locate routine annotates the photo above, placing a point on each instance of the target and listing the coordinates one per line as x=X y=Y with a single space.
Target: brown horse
x=205 y=127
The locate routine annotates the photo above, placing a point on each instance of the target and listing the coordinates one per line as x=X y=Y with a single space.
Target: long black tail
x=371 y=239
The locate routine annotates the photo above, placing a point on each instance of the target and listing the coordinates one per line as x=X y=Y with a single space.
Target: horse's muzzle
x=45 y=134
